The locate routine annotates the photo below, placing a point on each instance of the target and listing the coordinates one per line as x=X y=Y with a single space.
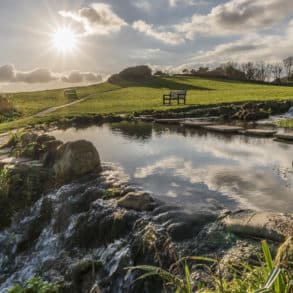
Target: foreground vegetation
x=128 y=96
x=269 y=276
x=288 y=123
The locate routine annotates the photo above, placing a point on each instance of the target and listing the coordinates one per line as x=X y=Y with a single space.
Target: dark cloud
x=38 y=75
x=8 y=74
x=78 y=77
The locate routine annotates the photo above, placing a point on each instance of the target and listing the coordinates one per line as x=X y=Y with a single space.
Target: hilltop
x=126 y=96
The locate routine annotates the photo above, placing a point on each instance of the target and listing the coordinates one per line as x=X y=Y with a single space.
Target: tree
x=277 y=70
x=250 y=70
x=185 y=71
x=288 y=65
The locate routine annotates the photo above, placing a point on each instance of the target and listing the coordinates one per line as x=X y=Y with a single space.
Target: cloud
x=237 y=16
x=174 y=3
x=79 y=77
x=254 y=47
x=8 y=74
x=98 y=18
x=143 y=5
x=38 y=75
x=170 y=38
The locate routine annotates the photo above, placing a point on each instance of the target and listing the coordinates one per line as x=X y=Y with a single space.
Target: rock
x=267 y=225
x=50 y=155
x=76 y=159
x=140 y=201
x=44 y=138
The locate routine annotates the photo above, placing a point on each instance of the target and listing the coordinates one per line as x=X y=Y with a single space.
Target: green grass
x=127 y=97
x=131 y=97
x=269 y=276
x=288 y=123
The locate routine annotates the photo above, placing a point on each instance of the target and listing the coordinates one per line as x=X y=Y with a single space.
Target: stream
x=72 y=234
x=194 y=168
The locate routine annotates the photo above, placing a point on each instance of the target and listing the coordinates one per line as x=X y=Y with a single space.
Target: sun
x=64 y=40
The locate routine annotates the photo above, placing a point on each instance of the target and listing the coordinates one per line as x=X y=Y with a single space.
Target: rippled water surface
x=197 y=169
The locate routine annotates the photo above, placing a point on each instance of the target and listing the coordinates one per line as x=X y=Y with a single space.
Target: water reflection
x=197 y=169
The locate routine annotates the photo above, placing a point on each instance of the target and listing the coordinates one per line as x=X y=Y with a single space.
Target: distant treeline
x=279 y=72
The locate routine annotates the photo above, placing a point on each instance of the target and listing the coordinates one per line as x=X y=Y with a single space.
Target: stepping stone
x=170 y=121
x=224 y=128
x=12 y=160
x=285 y=136
x=146 y=118
x=260 y=132
x=196 y=124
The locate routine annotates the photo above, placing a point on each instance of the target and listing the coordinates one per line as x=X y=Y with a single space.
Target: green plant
x=35 y=285
x=263 y=278
x=4 y=183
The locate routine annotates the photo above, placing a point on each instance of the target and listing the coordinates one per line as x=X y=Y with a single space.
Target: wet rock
x=50 y=154
x=244 y=251
x=44 y=138
x=185 y=226
x=267 y=225
x=140 y=201
x=76 y=159
x=100 y=226
x=82 y=275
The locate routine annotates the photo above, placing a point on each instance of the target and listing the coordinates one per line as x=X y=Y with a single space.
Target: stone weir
x=84 y=234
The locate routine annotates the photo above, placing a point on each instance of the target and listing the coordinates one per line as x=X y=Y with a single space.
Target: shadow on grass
x=159 y=83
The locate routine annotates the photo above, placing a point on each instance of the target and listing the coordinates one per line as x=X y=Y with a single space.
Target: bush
x=34 y=285
x=5 y=105
x=132 y=74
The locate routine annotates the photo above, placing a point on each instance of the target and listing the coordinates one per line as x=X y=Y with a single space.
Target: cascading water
x=76 y=237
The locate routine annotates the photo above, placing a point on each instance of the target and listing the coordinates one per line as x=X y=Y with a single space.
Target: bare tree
x=277 y=70
x=288 y=65
x=250 y=70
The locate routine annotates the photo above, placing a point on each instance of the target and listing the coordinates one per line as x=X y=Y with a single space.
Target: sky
x=55 y=43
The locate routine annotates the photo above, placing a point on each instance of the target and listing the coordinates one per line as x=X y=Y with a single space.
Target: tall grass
x=6 y=106
x=268 y=276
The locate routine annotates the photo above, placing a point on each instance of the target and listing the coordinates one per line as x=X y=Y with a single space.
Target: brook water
x=201 y=173
x=197 y=169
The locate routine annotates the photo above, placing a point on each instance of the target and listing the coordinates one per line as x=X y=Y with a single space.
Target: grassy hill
x=126 y=97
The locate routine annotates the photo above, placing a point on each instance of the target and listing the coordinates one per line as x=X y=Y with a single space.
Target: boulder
x=267 y=225
x=74 y=159
x=139 y=201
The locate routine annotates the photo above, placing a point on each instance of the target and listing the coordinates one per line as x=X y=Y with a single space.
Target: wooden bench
x=175 y=95
x=70 y=94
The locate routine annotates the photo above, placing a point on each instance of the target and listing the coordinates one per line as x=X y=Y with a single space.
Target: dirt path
x=53 y=109
x=4 y=136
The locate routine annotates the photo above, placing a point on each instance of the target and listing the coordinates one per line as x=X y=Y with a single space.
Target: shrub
x=137 y=73
x=5 y=105
x=35 y=285
x=268 y=277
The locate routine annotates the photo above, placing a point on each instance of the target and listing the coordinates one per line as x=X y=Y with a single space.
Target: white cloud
x=98 y=18
x=254 y=47
x=170 y=38
x=237 y=16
